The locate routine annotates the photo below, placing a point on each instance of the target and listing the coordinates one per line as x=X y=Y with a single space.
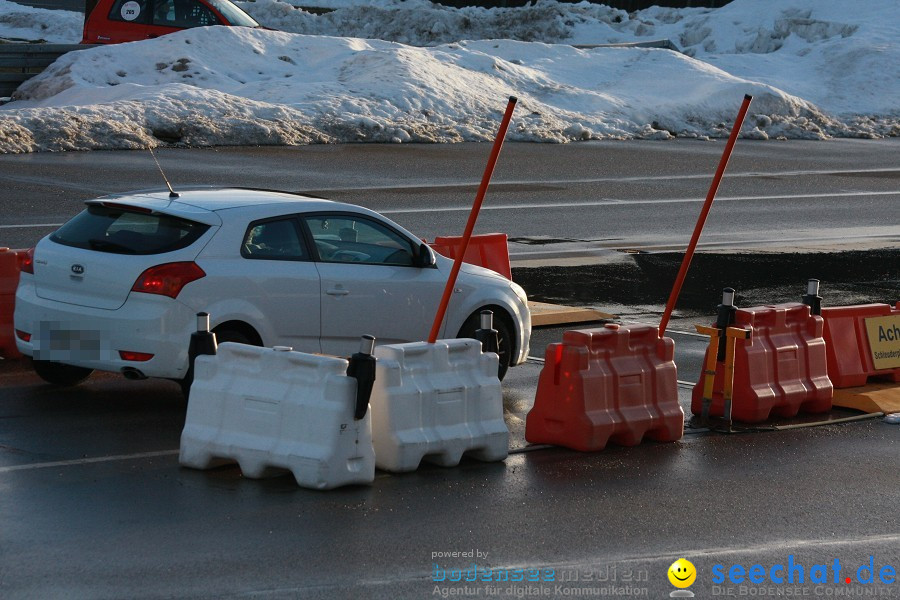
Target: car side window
x=164 y=13
x=130 y=11
x=183 y=13
x=277 y=239
x=356 y=239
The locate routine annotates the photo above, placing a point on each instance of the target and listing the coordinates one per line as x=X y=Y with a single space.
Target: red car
x=114 y=21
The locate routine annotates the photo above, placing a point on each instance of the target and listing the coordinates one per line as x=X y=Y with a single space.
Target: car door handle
x=337 y=292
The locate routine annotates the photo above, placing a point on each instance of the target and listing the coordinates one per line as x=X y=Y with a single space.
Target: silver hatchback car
x=118 y=286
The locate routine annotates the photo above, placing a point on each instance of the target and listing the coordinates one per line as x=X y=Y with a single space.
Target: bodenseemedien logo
x=682 y=575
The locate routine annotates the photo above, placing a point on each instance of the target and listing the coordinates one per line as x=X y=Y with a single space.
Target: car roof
x=200 y=203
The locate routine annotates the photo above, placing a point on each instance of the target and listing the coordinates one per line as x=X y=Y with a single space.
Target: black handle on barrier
x=362 y=367
x=487 y=335
x=725 y=314
x=812 y=298
x=203 y=341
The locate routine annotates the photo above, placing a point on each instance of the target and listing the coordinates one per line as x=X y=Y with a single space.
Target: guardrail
x=21 y=62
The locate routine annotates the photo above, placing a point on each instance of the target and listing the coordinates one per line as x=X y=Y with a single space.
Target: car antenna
x=172 y=193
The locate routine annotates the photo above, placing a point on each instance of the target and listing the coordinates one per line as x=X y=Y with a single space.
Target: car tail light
x=23 y=335
x=26 y=261
x=167 y=279
x=135 y=356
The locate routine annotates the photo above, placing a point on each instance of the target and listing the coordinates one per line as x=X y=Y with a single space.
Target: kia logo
x=78 y=269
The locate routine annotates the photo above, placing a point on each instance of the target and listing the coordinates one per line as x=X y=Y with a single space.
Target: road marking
x=628 y=178
x=587 y=204
x=87 y=461
x=588 y=564
x=630 y=203
x=30 y=225
x=42 y=182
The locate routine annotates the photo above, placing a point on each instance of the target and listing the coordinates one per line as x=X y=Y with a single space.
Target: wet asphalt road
x=93 y=503
x=594 y=197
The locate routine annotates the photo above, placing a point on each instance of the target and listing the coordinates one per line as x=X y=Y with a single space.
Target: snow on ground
x=815 y=68
x=18 y=23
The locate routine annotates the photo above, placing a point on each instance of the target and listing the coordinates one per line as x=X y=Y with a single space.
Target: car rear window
x=122 y=231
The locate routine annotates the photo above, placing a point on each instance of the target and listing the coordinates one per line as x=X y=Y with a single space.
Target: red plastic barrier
x=9 y=280
x=488 y=250
x=611 y=384
x=849 y=354
x=781 y=370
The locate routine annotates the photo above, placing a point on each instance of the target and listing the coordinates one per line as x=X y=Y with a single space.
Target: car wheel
x=504 y=336
x=60 y=374
x=222 y=336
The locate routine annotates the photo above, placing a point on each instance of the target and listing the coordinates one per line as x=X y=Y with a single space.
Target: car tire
x=59 y=374
x=504 y=336
x=222 y=336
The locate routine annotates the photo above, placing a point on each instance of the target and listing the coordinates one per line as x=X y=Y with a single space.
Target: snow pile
x=22 y=23
x=421 y=23
x=279 y=88
x=842 y=56
x=815 y=68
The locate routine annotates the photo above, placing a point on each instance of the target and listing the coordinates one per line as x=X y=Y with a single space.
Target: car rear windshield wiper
x=109 y=246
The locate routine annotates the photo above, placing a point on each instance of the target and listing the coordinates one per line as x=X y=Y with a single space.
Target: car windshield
x=120 y=230
x=233 y=14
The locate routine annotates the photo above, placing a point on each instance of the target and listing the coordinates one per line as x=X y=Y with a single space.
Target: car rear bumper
x=93 y=338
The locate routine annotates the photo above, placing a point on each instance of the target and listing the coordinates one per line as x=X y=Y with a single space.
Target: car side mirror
x=424 y=257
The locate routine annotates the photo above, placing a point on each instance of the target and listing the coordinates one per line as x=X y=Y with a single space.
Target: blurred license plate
x=67 y=344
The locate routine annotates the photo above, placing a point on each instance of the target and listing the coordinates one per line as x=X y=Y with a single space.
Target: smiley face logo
x=682 y=573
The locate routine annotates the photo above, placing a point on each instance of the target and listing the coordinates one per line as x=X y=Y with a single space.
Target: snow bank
x=826 y=51
x=279 y=88
x=815 y=68
x=421 y=23
x=23 y=23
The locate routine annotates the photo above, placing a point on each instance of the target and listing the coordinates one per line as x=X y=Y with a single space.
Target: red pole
x=473 y=216
x=710 y=196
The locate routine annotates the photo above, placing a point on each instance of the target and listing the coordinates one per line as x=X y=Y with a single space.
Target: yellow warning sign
x=884 y=341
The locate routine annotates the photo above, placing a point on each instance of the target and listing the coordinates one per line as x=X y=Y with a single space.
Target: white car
x=117 y=288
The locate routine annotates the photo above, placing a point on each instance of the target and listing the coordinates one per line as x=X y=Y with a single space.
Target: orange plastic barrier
x=781 y=370
x=9 y=280
x=850 y=361
x=488 y=250
x=610 y=384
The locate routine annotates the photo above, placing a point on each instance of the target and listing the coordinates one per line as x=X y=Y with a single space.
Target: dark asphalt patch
x=851 y=277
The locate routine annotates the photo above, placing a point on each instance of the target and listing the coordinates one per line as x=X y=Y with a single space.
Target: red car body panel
x=116 y=21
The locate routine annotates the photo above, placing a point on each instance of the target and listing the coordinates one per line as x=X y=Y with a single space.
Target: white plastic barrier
x=270 y=410
x=437 y=402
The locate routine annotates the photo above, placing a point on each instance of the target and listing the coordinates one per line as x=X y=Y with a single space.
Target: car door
x=278 y=279
x=118 y=21
x=369 y=283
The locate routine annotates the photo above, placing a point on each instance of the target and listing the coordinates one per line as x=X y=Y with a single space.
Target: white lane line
x=631 y=178
x=631 y=203
x=30 y=225
x=87 y=461
x=587 y=204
